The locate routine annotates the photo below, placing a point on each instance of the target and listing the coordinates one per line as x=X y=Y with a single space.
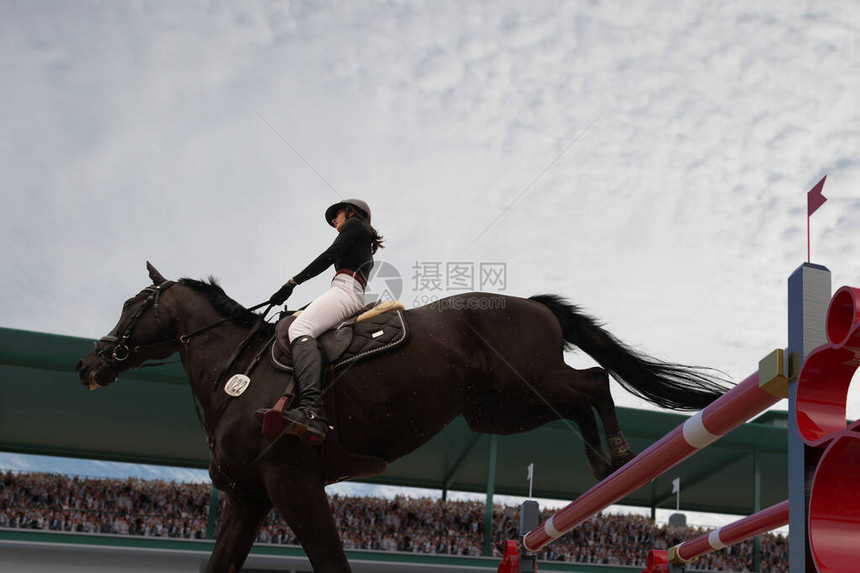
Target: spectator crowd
x=156 y=508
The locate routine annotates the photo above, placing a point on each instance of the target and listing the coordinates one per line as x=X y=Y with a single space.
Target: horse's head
x=142 y=333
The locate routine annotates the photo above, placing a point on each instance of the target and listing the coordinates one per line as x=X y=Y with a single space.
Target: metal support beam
x=491 y=486
x=214 y=497
x=653 y=501
x=756 y=480
x=809 y=293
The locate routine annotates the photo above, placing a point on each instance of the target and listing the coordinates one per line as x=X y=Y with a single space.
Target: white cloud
x=135 y=132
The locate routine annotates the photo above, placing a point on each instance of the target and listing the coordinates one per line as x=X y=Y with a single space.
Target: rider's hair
x=377 y=239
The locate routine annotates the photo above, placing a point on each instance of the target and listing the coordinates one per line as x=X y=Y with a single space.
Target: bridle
x=121 y=350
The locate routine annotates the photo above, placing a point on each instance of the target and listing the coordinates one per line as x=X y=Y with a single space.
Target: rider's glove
x=283 y=294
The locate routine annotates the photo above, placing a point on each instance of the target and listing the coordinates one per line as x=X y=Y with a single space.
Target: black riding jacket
x=350 y=250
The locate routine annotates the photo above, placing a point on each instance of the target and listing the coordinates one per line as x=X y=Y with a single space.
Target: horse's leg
x=601 y=398
x=586 y=388
x=300 y=498
x=239 y=527
x=583 y=415
x=593 y=386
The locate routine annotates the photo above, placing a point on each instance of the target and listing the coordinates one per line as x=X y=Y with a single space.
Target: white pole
x=530 y=476
x=676 y=489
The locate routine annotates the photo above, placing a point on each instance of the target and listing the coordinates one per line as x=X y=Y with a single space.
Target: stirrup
x=312 y=430
x=271 y=420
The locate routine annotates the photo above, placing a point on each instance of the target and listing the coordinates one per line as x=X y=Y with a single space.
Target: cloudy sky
x=648 y=161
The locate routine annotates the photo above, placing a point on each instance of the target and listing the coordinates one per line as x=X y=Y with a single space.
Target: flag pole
x=530 y=477
x=814 y=200
x=676 y=489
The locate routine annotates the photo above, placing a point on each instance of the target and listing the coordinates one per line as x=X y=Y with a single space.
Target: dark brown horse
x=497 y=360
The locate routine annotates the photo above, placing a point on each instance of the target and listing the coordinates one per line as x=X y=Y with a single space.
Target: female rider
x=352 y=255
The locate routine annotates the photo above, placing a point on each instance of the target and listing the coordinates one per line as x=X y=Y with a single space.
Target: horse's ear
x=156 y=276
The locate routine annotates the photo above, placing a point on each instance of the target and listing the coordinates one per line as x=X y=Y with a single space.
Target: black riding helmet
x=361 y=208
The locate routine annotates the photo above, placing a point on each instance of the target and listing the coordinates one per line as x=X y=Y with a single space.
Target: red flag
x=814 y=199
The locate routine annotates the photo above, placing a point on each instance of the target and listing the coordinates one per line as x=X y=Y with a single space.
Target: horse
x=497 y=360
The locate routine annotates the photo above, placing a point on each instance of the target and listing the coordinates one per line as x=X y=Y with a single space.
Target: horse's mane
x=226 y=306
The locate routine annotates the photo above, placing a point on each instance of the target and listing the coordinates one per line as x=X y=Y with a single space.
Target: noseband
x=121 y=351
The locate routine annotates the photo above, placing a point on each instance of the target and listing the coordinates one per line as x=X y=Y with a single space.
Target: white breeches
x=344 y=299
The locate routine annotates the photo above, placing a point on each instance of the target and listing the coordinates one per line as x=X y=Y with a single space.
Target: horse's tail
x=671 y=386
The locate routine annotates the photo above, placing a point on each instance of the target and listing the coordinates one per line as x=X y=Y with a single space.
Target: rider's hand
x=283 y=294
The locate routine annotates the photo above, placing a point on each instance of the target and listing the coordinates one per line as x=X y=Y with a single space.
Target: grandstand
x=37 y=383
x=137 y=514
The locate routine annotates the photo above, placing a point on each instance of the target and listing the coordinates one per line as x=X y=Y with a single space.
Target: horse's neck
x=205 y=355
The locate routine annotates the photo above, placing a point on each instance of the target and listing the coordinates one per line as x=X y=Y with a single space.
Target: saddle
x=378 y=328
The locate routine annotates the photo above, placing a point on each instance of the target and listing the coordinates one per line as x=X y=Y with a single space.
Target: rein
x=186 y=338
x=121 y=351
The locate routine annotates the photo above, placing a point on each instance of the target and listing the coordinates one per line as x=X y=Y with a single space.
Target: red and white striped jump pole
x=755 y=394
x=661 y=560
x=735 y=532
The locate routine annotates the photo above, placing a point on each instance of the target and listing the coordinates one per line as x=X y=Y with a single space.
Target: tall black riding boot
x=308 y=416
